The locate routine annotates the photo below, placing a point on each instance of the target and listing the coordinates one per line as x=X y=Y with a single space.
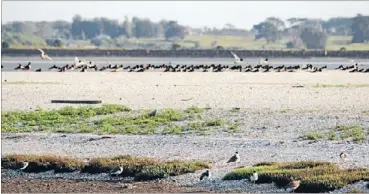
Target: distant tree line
x=312 y=32
x=302 y=32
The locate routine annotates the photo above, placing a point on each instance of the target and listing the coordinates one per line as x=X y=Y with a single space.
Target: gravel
x=272 y=117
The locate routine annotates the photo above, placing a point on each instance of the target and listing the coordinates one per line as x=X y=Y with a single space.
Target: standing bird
x=205 y=174
x=293 y=185
x=235 y=158
x=254 y=177
x=116 y=171
x=38 y=70
x=44 y=55
x=343 y=156
x=236 y=58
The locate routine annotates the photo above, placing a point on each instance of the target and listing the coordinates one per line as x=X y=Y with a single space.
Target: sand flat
x=275 y=91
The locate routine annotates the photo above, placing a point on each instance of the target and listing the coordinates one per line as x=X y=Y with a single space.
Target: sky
x=242 y=14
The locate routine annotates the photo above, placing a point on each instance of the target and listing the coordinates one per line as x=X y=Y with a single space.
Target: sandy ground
x=273 y=91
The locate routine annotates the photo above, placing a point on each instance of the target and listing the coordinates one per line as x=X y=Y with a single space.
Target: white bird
x=25 y=165
x=236 y=58
x=78 y=63
x=235 y=158
x=117 y=171
x=205 y=174
x=44 y=55
x=263 y=61
x=343 y=156
x=254 y=177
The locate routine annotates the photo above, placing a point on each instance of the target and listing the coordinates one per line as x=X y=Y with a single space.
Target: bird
x=28 y=66
x=205 y=174
x=263 y=61
x=293 y=185
x=235 y=158
x=153 y=113
x=254 y=177
x=343 y=156
x=116 y=171
x=24 y=165
x=236 y=58
x=43 y=54
x=38 y=70
x=20 y=66
x=78 y=63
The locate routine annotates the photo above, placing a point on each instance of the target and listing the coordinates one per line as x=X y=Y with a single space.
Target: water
x=10 y=63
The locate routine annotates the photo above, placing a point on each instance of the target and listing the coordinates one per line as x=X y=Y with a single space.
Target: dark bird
x=205 y=174
x=28 y=66
x=38 y=70
x=53 y=67
x=235 y=158
x=153 y=113
x=19 y=67
x=339 y=67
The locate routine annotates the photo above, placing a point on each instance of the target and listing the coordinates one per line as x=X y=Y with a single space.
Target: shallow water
x=10 y=63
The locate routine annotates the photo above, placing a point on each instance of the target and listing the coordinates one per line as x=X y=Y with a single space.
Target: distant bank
x=184 y=53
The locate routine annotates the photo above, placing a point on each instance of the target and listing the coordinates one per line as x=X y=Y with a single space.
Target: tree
x=58 y=43
x=173 y=29
x=143 y=28
x=4 y=45
x=271 y=29
x=338 y=26
x=313 y=38
x=360 y=29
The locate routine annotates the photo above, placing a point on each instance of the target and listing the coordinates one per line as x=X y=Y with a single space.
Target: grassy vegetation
x=286 y=110
x=41 y=120
x=340 y=86
x=42 y=163
x=234 y=128
x=190 y=41
x=315 y=176
x=234 y=109
x=23 y=82
x=312 y=136
x=142 y=168
x=82 y=120
x=355 y=133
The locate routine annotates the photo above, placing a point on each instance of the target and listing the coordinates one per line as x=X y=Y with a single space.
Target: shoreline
x=209 y=53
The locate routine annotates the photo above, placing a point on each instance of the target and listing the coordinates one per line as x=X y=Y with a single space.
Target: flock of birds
x=239 y=65
x=290 y=187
